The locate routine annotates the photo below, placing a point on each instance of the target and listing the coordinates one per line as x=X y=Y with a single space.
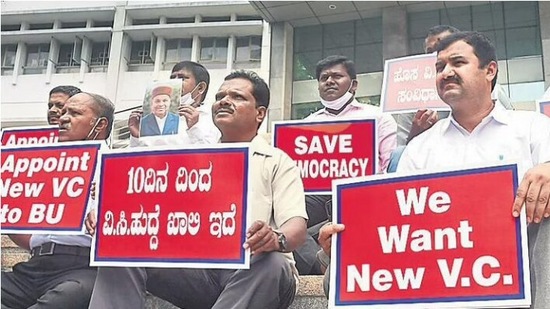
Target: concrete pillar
x=544 y=13
x=159 y=57
x=280 y=82
x=20 y=59
x=395 y=37
x=85 y=58
x=231 y=50
x=52 y=60
x=116 y=54
x=196 y=49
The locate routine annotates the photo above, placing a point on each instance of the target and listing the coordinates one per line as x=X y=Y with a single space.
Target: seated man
x=480 y=131
x=58 y=274
x=279 y=226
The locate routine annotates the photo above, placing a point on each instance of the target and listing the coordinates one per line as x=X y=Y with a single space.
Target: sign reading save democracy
x=329 y=150
x=173 y=207
x=30 y=135
x=430 y=241
x=409 y=85
x=45 y=188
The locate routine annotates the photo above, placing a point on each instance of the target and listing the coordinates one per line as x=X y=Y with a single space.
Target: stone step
x=310 y=296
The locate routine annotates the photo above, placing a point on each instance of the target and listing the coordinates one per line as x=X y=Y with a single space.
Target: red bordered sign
x=173 y=207
x=30 y=135
x=46 y=188
x=328 y=150
x=409 y=85
x=430 y=241
x=544 y=107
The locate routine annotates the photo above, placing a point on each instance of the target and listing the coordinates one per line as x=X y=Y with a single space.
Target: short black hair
x=435 y=30
x=333 y=60
x=199 y=72
x=104 y=108
x=483 y=48
x=260 y=90
x=66 y=89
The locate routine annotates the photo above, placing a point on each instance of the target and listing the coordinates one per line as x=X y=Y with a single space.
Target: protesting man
x=58 y=274
x=279 y=226
x=195 y=124
x=160 y=121
x=482 y=132
x=337 y=84
x=58 y=96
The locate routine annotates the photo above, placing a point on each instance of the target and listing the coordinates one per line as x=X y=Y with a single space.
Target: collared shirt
x=161 y=122
x=386 y=127
x=83 y=240
x=503 y=135
x=405 y=120
x=276 y=188
x=203 y=132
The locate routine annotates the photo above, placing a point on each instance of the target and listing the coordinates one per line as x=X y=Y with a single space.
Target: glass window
x=177 y=50
x=520 y=14
x=459 y=17
x=487 y=16
x=40 y=26
x=207 y=19
x=8 y=55
x=74 y=25
x=304 y=65
x=101 y=23
x=368 y=31
x=523 y=42
x=214 y=49
x=16 y=27
x=140 y=53
x=368 y=58
x=338 y=35
x=100 y=54
x=249 y=49
x=308 y=39
x=420 y=22
x=180 y=20
x=66 y=56
x=302 y=110
x=151 y=21
x=37 y=55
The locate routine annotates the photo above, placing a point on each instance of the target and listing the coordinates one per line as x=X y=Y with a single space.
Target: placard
x=435 y=240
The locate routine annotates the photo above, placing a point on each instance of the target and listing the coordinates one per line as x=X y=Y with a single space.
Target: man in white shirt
x=195 y=125
x=481 y=132
x=58 y=274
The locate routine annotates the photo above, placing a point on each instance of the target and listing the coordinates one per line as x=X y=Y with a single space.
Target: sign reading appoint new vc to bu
x=430 y=241
x=328 y=150
x=46 y=188
x=173 y=207
x=30 y=135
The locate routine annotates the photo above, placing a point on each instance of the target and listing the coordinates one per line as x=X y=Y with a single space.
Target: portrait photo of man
x=163 y=118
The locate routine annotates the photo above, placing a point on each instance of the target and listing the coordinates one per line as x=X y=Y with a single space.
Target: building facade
x=116 y=48
x=370 y=32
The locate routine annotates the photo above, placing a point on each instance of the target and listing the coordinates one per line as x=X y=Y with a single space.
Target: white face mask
x=187 y=99
x=340 y=102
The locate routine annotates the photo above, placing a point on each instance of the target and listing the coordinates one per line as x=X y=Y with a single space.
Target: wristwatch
x=282 y=240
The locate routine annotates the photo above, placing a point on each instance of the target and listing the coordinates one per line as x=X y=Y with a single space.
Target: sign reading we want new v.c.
x=437 y=240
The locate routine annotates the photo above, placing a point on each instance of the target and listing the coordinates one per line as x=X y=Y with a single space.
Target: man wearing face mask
x=337 y=84
x=196 y=126
x=58 y=274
